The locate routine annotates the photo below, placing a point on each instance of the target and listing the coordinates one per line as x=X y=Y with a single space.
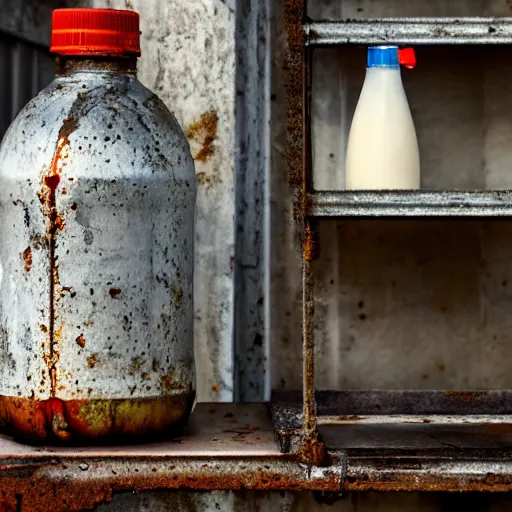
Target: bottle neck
x=66 y=66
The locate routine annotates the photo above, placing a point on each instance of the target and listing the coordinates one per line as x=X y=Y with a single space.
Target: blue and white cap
x=390 y=57
x=383 y=57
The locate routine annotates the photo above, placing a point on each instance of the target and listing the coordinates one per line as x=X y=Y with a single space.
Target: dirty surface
x=225 y=446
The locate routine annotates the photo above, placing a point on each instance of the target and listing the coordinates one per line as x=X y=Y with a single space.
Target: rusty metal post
x=298 y=155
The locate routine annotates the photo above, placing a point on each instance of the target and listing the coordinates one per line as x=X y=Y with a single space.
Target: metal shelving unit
x=390 y=440
x=411 y=31
x=473 y=203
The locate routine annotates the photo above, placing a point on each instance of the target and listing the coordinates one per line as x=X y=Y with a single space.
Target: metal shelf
x=224 y=447
x=410 y=203
x=409 y=440
x=410 y=31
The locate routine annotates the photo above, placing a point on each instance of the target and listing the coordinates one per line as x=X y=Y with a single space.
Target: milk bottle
x=382 y=150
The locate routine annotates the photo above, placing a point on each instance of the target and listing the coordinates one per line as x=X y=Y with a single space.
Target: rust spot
x=114 y=293
x=52 y=181
x=310 y=244
x=204 y=133
x=349 y=418
x=27 y=258
x=43 y=328
x=215 y=389
x=88 y=324
x=313 y=450
x=169 y=383
x=92 y=360
x=462 y=396
x=80 y=341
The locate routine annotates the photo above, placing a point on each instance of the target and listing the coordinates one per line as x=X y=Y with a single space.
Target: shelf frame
x=410 y=203
x=410 y=31
x=307 y=425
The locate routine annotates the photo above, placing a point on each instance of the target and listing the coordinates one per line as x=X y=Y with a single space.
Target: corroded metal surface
x=480 y=471
x=393 y=203
x=97 y=208
x=411 y=31
x=225 y=447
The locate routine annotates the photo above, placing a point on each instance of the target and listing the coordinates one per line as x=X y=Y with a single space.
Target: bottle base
x=94 y=422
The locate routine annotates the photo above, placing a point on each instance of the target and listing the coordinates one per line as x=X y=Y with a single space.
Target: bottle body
x=97 y=197
x=382 y=150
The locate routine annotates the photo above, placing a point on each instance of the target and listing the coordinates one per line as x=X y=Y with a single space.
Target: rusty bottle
x=97 y=197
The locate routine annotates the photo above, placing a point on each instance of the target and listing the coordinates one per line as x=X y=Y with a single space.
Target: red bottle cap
x=95 y=32
x=407 y=58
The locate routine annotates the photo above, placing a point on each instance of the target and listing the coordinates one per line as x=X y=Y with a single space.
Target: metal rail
x=410 y=203
x=410 y=31
x=225 y=447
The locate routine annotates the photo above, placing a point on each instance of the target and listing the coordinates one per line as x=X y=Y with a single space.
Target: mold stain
x=203 y=134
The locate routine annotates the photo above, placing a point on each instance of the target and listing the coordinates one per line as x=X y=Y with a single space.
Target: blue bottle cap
x=383 y=57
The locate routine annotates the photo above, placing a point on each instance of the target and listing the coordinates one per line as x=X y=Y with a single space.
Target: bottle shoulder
x=111 y=124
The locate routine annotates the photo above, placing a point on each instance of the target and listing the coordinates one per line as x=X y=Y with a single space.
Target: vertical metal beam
x=251 y=172
x=298 y=156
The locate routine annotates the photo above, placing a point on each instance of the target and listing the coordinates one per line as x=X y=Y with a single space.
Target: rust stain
x=80 y=341
x=114 y=293
x=310 y=244
x=294 y=89
x=92 y=360
x=349 y=418
x=63 y=290
x=215 y=389
x=169 y=383
x=414 y=481
x=55 y=223
x=27 y=258
x=87 y=421
x=204 y=132
x=313 y=450
x=462 y=396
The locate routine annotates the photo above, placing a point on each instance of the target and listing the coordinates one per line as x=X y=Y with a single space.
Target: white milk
x=382 y=150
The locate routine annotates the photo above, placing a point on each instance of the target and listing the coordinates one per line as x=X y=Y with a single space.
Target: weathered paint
x=97 y=180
